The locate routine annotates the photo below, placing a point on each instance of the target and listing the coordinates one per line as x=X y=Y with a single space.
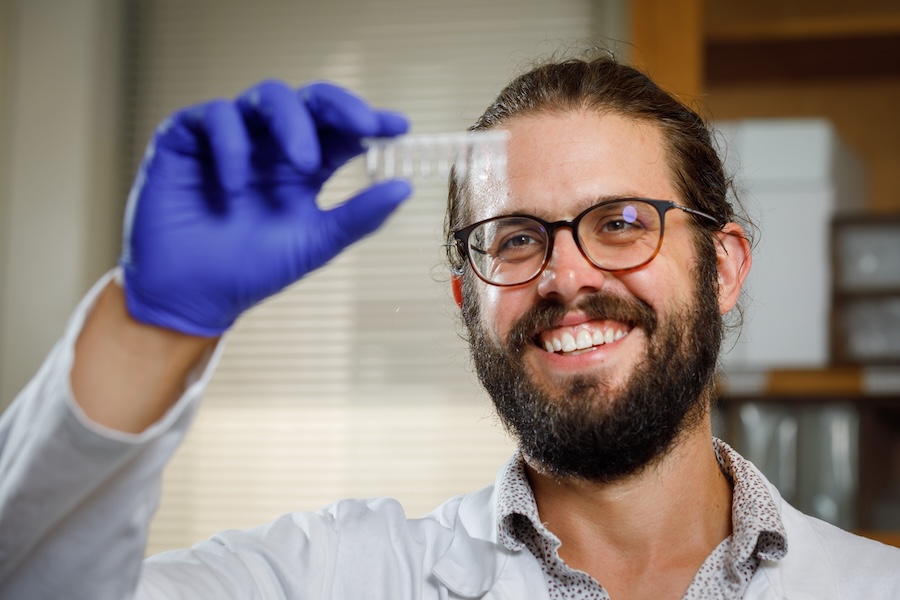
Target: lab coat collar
x=806 y=571
x=477 y=565
x=473 y=561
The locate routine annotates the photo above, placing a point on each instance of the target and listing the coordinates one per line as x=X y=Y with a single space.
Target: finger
x=274 y=106
x=391 y=123
x=336 y=108
x=229 y=144
x=365 y=212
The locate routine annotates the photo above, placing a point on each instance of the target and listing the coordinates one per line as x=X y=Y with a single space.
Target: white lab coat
x=368 y=549
x=76 y=501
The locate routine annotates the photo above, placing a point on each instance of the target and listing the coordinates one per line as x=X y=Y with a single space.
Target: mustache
x=599 y=306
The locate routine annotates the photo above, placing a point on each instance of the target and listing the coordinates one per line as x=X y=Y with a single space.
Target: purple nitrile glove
x=223 y=212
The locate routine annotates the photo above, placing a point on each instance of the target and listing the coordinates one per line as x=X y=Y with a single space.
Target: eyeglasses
x=615 y=235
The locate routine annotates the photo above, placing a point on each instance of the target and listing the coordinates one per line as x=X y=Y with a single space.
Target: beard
x=584 y=428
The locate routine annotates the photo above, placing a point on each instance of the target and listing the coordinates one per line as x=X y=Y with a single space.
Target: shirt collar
x=757 y=528
x=515 y=500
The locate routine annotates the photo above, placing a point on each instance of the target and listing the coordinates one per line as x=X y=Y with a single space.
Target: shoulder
x=385 y=520
x=378 y=520
x=847 y=565
x=849 y=552
x=376 y=538
x=354 y=548
x=824 y=562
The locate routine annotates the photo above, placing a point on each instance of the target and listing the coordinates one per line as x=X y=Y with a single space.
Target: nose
x=569 y=273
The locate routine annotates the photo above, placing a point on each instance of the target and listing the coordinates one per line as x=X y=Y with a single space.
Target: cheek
x=663 y=285
x=501 y=307
x=492 y=310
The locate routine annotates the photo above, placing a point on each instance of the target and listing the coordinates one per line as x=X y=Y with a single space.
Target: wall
x=4 y=220
x=59 y=160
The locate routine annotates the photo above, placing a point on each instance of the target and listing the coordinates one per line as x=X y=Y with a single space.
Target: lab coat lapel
x=805 y=572
x=477 y=565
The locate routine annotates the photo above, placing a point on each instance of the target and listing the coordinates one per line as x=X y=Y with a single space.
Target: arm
x=222 y=215
x=128 y=374
x=76 y=496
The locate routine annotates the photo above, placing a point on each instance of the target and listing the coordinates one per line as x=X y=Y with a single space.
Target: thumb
x=367 y=211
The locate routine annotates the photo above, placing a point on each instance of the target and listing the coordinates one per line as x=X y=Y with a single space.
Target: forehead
x=558 y=164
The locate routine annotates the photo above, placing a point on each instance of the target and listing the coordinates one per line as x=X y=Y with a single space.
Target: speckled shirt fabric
x=758 y=534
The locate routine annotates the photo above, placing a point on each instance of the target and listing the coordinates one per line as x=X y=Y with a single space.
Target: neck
x=662 y=522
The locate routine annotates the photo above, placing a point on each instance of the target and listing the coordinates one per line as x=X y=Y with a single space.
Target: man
x=592 y=282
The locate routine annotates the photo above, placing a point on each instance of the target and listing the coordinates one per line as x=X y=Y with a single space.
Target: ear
x=456 y=284
x=733 y=260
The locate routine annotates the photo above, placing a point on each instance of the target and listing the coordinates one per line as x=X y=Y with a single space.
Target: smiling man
x=595 y=322
x=592 y=281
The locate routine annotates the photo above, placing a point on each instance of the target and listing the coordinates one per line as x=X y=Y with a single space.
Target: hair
x=605 y=85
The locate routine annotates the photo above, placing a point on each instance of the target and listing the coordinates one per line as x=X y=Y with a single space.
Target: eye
x=621 y=220
x=519 y=240
x=616 y=223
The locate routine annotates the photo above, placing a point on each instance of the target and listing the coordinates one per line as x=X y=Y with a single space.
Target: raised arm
x=222 y=214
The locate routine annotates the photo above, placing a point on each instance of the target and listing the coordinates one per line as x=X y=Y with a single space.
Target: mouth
x=581 y=338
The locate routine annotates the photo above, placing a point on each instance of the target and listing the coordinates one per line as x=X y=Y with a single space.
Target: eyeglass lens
x=613 y=236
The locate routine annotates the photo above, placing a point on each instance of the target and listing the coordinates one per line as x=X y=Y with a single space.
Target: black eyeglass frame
x=461 y=236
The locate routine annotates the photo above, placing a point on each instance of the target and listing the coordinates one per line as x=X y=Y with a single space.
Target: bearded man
x=592 y=281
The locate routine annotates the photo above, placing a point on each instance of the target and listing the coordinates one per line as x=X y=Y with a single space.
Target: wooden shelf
x=804 y=29
x=840 y=55
x=816 y=383
x=859 y=384
x=806 y=41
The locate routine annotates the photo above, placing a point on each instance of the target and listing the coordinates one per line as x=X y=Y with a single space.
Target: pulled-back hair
x=605 y=85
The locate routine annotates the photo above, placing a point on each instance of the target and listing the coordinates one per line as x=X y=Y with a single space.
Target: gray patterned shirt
x=757 y=534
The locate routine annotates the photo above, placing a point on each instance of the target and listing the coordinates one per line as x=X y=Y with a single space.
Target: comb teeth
x=425 y=157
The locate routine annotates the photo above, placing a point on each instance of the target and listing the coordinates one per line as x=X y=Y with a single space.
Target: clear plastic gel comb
x=479 y=154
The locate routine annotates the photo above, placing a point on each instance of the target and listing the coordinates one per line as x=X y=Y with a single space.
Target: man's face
x=646 y=340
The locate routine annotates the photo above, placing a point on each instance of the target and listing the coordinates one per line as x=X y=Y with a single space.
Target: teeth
x=584 y=339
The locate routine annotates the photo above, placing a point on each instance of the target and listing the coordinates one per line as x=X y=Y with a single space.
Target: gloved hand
x=223 y=212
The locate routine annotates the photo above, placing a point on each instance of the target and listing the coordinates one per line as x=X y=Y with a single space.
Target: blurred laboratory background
x=356 y=382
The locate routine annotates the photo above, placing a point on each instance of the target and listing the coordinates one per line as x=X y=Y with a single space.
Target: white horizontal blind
x=355 y=382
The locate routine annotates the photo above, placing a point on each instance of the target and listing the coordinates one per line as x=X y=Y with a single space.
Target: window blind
x=355 y=382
